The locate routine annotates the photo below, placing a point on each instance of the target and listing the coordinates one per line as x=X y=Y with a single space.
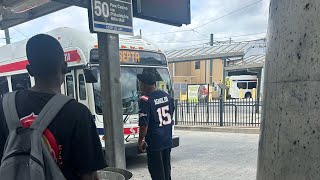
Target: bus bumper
x=133 y=150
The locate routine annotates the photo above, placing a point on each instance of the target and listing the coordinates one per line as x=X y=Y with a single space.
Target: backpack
x=26 y=156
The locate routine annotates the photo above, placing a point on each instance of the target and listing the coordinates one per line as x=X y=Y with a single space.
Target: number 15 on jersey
x=164 y=116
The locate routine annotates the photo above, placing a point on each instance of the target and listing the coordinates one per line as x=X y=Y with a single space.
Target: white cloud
x=250 y=20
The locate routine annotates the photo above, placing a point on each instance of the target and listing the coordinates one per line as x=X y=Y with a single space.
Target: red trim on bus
x=133 y=130
x=70 y=56
x=14 y=66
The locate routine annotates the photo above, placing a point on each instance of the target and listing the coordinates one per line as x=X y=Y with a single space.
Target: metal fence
x=232 y=112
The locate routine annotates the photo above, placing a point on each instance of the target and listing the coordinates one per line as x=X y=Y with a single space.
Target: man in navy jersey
x=155 y=121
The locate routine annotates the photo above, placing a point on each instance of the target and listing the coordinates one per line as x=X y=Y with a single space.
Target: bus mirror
x=91 y=75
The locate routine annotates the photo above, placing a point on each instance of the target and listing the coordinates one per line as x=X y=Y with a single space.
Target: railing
x=232 y=112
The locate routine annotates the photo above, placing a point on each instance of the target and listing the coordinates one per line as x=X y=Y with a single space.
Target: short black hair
x=45 y=55
x=147 y=78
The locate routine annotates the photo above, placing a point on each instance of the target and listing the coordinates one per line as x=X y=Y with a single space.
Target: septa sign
x=72 y=56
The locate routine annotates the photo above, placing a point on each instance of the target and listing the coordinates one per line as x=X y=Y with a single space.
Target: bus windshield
x=129 y=87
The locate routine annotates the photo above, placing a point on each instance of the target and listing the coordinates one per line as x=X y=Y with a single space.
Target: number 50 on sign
x=101 y=9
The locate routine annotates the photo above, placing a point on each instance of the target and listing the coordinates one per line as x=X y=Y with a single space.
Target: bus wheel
x=248 y=95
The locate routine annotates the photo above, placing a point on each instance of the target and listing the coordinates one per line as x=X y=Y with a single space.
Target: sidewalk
x=244 y=130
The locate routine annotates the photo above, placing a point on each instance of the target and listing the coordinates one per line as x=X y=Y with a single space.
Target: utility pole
x=289 y=140
x=206 y=64
x=211 y=61
x=111 y=96
x=211 y=39
x=223 y=91
x=7 y=36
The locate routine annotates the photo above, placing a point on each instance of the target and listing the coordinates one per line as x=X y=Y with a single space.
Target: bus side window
x=69 y=85
x=20 y=82
x=82 y=87
x=252 y=85
x=242 y=85
x=4 y=88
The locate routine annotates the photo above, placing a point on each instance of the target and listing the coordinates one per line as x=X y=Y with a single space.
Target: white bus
x=82 y=82
x=245 y=82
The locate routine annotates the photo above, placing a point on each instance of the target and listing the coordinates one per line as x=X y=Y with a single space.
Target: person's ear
x=29 y=69
x=64 y=69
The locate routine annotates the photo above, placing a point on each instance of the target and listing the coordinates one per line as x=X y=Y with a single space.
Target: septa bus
x=82 y=82
x=245 y=82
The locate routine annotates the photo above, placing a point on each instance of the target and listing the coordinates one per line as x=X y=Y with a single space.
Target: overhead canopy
x=251 y=62
x=14 y=12
x=233 y=50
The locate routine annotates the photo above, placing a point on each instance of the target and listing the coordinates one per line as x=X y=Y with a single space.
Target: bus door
x=69 y=84
x=82 y=90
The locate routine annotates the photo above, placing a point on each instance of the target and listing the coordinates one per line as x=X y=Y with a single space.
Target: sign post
x=109 y=18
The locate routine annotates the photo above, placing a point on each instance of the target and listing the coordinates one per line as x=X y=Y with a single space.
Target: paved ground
x=207 y=156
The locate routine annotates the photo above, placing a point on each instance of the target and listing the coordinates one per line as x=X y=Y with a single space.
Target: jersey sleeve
x=87 y=154
x=144 y=113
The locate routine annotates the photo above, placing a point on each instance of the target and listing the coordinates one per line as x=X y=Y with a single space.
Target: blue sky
x=251 y=20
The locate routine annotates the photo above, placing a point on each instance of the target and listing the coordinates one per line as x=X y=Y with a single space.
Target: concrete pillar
x=289 y=147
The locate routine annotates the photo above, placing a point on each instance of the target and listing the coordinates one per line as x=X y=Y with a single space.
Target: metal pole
x=211 y=61
x=7 y=35
x=258 y=91
x=211 y=39
x=224 y=78
x=223 y=93
x=176 y=111
x=206 y=64
x=205 y=72
x=111 y=95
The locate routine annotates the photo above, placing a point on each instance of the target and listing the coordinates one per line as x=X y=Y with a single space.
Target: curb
x=244 y=130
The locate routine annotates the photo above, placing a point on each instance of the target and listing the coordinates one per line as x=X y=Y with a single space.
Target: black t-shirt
x=72 y=134
x=156 y=112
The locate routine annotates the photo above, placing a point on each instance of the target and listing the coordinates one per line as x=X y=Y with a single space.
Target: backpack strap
x=10 y=111
x=49 y=112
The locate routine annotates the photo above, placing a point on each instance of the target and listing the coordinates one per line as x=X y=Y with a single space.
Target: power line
x=177 y=42
x=170 y=32
x=232 y=12
x=252 y=40
x=19 y=31
x=193 y=45
x=194 y=29
x=220 y=43
x=199 y=33
x=242 y=35
x=196 y=40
